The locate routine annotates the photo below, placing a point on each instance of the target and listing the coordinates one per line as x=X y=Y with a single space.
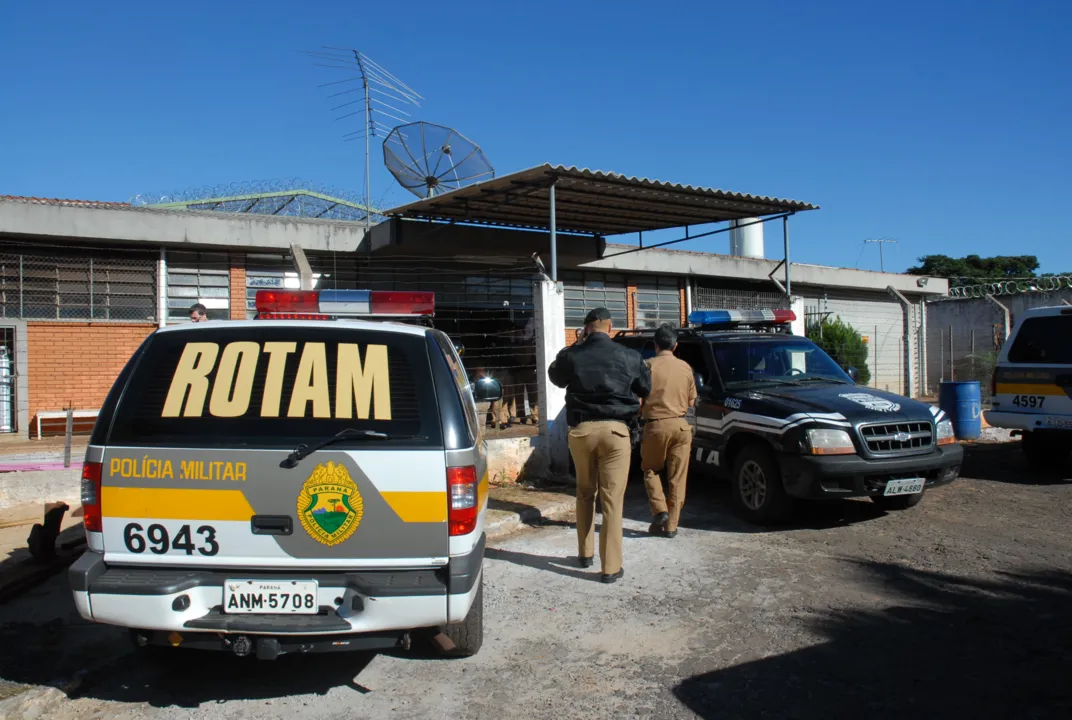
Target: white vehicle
x=1032 y=385
x=302 y=482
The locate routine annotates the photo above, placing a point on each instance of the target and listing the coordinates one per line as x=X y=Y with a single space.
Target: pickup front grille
x=904 y=437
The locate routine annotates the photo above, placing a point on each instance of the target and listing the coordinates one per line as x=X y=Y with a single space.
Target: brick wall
x=76 y=362
x=238 y=287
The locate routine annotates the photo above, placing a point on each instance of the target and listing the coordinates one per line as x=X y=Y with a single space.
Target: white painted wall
x=550 y=314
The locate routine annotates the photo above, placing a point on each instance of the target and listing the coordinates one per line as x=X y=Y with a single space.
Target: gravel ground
x=958 y=607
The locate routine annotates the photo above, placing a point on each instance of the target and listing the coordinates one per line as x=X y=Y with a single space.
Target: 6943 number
x=157 y=540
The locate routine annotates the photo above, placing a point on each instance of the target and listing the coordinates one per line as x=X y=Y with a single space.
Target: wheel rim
x=753 y=485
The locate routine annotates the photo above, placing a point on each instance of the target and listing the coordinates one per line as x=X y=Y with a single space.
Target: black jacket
x=603 y=380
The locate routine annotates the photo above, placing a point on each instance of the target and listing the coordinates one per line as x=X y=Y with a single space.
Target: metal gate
x=8 y=380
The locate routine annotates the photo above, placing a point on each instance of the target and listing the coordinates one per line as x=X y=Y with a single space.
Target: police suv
x=301 y=482
x=783 y=421
x=1032 y=385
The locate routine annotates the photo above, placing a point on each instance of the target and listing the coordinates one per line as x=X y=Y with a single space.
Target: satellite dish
x=429 y=159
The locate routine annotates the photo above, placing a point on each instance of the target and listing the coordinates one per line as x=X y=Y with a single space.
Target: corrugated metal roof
x=592 y=202
x=64 y=202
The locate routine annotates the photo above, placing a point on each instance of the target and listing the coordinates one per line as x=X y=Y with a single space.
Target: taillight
x=993 y=383
x=462 y=488
x=91 y=496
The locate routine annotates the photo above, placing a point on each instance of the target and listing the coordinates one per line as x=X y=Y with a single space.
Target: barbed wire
x=207 y=194
x=1012 y=287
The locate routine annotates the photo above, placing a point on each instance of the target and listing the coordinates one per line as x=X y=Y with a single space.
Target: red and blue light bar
x=329 y=304
x=715 y=318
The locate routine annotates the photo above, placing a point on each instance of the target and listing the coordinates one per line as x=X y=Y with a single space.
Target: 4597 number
x=157 y=540
x=1028 y=401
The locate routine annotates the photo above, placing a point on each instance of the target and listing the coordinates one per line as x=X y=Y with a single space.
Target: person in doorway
x=198 y=313
x=604 y=383
x=667 y=440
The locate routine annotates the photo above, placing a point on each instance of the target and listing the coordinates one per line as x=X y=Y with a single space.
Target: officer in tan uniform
x=667 y=442
x=604 y=382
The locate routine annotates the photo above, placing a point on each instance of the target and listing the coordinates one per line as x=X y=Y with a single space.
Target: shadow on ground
x=951 y=647
x=44 y=642
x=708 y=507
x=1005 y=462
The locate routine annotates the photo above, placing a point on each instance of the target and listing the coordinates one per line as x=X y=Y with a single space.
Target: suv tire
x=897 y=502
x=758 y=493
x=468 y=635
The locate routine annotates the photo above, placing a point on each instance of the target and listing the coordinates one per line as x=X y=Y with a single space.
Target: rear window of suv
x=276 y=387
x=1045 y=340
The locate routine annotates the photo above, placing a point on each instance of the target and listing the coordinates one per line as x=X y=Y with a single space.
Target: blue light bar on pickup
x=709 y=318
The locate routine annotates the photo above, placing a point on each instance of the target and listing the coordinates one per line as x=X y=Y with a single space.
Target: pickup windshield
x=789 y=361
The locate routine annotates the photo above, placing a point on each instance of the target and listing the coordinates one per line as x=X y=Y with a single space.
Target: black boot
x=658 y=525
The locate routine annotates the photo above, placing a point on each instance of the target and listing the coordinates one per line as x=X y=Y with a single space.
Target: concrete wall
x=97 y=226
x=963 y=318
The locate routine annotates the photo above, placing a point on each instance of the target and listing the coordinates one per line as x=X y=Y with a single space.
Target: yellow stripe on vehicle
x=172 y=504
x=1029 y=389
x=425 y=507
x=482 y=490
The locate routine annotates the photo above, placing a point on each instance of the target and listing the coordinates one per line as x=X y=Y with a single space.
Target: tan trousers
x=667 y=444
x=600 y=451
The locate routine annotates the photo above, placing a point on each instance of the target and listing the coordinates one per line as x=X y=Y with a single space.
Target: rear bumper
x=837 y=476
x=191 y=600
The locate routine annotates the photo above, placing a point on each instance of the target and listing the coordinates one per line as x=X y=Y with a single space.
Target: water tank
x=746 y=241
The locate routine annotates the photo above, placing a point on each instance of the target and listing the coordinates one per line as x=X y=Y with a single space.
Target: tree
x=841 y=341
x=973 y=267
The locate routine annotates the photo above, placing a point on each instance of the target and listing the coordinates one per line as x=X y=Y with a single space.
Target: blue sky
x=944 y=125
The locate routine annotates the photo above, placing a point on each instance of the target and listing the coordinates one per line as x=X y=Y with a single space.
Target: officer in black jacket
x=604 y=382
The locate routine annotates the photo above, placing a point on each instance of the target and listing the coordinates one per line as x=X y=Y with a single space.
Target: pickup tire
x=468 y=635
x=758 y=493
x=897 y=502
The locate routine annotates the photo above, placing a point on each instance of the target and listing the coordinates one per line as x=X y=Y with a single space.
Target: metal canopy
x=591 y=202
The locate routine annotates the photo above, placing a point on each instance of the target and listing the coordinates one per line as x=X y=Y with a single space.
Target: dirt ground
x=957 y=608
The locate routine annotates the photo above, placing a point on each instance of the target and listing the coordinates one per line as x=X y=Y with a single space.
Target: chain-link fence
x=867 y=334
x=78 y=285
x=964 y=354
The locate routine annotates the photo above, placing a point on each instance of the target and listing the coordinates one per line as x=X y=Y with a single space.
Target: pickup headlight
x=822 y=441
x=945 y=433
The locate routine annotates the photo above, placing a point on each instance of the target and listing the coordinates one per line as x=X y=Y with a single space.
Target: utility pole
x=881 y=242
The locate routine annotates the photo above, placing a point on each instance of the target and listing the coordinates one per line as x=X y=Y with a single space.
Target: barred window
x=268 y=272
x=198 y=278
x=584 y=291
x=79 y=285
x=658 y=301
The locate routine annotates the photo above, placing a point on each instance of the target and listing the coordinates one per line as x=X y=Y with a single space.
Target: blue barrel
x=961 y=401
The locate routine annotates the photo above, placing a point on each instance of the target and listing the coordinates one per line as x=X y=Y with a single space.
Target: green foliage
x=973 y=267
x=841 y=342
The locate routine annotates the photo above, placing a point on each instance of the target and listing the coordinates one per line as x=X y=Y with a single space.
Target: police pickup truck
x=312 y=480
x=784 y=422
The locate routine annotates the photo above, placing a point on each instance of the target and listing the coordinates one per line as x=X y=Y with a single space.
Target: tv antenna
x=427 y=159
x=880 y=242
x=377 y=87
